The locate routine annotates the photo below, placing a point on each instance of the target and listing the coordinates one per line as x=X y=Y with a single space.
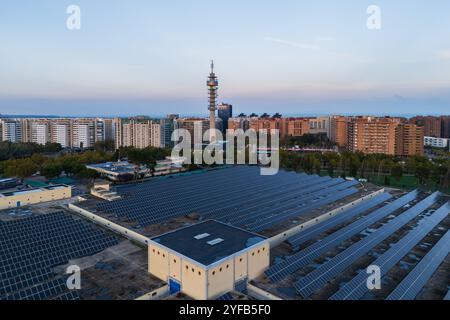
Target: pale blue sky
x=294 y=57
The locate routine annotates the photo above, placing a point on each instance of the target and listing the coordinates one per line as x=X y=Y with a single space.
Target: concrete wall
x=159 y=293
x=127 y=233
x=44 y=195
x=260 y=294
x=279 y=238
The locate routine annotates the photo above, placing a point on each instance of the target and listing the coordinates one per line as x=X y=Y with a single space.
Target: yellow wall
x=240 y=267
x=193 y=280
x=35 y=197
x=158 y=262
x=221 y=279
x=258 y=260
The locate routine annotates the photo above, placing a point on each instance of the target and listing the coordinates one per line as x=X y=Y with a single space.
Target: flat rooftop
x=32 y=190
x=209 y=241
x=114 y=167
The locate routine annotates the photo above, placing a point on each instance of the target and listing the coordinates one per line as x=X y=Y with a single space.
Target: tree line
x=434 y=171
x=10 y=150
x=74 y=164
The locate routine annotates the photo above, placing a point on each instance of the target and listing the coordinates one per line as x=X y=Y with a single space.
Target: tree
x=397 y=172
x=51 y=169
x=422 y=173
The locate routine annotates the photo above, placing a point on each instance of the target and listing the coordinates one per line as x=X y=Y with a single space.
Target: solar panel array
x=239 y=195
x=413 y=283
x=310 y=283
x=319 y=228
x=357 y=287
x=308 y=255
x=30 y=247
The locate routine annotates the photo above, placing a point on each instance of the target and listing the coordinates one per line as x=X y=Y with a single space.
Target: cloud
x=293 y=44
x=311 y=46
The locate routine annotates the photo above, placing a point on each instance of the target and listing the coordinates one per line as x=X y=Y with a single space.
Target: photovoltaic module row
x=318 y=229
x=184 y=207
x=30 y=247
x=318 y=278
x=163 y=195
x=357 y=287
x=413 y=283
x=247 y=211
x=334 y=195
x=308 y=255
x=237 y=195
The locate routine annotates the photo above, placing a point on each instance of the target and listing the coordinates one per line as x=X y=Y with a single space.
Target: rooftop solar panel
x=357 y=287
x=30 y=247
x=309 y=254
x=310 y=283
x=413 y=283
x=317 y=229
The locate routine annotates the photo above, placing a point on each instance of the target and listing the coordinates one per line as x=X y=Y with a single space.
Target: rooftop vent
x=201 y=236
x=215 y=241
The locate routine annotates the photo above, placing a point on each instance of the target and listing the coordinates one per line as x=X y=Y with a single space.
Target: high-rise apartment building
x=109 y=129
x=338 y=130
x=409 y=140
x=40 y=132
x=225 y=112
x=320 y=125
x=432 y=126
x=297 y=127
x=142 y=133
x=195 y=126
x=269 y=124
x=391 y=136
x=238 y=123
x=11 y=130
x=60 y=133
x=445 y=127
x=167 y=127
x=371 y=135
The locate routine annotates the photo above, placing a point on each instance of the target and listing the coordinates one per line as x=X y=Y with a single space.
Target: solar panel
x=357 y=287
x=413 y=283
x=309 y=254
x=310 y=283
x=227 y=195
x=244 y=216
x=30 y=247
x=319 y=228
x=331 y=195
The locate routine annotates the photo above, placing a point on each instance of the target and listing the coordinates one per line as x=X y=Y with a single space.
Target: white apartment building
x=156 y=135
x=11 y=130
x=60 y=133
x=320 y=125
x=436 y=142
x=40 y=132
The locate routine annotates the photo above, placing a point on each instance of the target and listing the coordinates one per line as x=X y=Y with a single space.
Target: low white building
x=436 y=142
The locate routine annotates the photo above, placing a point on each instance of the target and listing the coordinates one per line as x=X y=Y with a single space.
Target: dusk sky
x=293 y=57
